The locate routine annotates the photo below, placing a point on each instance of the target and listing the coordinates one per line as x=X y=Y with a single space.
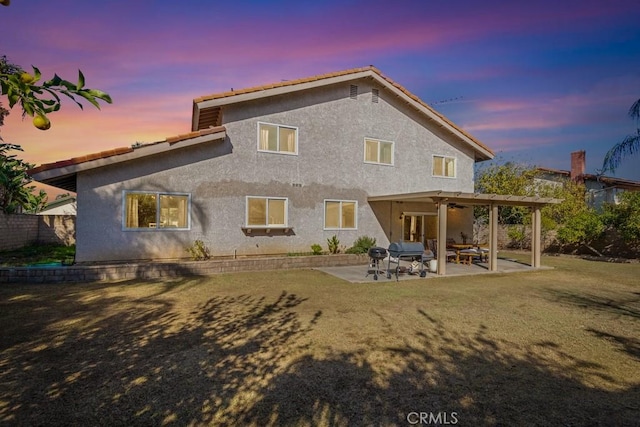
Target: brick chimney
x=578 y=165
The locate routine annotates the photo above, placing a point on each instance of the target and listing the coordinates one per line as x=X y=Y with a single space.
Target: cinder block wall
x=57 y=229
x=20 y=230
x=17 y=231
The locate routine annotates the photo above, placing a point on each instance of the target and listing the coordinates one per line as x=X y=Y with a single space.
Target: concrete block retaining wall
x=162 y=270
x=19 y=230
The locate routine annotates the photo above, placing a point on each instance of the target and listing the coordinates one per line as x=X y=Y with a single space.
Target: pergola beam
x=443 y=198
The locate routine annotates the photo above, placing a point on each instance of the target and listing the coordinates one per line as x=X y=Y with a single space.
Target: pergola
x=442 y=199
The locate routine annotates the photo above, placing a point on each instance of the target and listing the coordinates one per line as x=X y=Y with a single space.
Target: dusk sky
x=533 y=80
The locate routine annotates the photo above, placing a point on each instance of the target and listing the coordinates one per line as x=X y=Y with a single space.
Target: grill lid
x=377 y=252
x=406 y=248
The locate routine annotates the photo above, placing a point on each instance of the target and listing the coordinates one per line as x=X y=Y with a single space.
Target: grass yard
x=552 y=347
x=37 y=254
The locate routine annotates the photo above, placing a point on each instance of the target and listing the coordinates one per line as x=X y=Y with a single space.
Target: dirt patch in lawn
x=554 y=347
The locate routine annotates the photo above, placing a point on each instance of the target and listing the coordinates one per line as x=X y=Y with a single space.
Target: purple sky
x=533 y=80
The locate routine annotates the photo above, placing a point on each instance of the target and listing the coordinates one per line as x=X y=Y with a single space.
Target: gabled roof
x=62 y=174
x=608 y=181
x=206 y=109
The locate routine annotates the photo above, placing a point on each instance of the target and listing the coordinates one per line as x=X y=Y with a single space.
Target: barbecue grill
x=376 y=254
x=406 y=250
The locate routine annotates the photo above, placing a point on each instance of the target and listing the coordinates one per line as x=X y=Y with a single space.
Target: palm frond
x=627 y=147
x=634 y=111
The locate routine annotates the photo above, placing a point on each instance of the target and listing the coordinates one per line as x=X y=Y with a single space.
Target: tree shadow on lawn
x=141 y=362
x=248 y=360
x=628 y=305
x=450 y=377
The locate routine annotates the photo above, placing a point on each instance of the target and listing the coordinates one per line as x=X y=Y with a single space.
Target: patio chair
x=433 y=246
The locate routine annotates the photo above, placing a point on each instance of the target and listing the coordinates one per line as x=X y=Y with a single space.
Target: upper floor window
x=377 y=151
x=277 y=138
x=444 y=166
x=267 y=212
x=154 y=210
x=340 y=214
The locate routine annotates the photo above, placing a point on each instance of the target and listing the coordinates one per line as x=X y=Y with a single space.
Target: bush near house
x=361 y=245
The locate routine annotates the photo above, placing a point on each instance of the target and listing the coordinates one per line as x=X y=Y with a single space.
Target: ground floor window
x=266 y=212
x=340 y=214
x=154 y=210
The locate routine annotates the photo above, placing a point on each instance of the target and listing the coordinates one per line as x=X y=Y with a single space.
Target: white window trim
x=158 y=194
x=444 y=156
x=287 y=153
x=277 y=226
x=324 y=214
x=364 y=151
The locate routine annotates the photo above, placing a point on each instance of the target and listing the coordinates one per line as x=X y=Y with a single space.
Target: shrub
x=625 y=216
x=199 y=251
x=317 y=249
x=333 y=244
x=581 y=228
x=517 y=235
x=361 y=245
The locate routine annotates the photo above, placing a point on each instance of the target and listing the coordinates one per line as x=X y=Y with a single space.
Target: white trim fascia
x=232 y=99
x=429 y=113
x=137 y=153
x=242 y=97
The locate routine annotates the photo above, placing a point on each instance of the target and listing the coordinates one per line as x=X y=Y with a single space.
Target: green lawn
x=37 y=254
x=552 y=347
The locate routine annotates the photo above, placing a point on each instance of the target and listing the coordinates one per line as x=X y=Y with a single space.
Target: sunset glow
x=531 y=80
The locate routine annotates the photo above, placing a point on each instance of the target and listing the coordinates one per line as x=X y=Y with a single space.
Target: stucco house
x=600 y=189
x=65 y=205
x=276 y=168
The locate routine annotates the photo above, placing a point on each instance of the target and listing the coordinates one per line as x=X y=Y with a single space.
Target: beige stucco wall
x=219 y=176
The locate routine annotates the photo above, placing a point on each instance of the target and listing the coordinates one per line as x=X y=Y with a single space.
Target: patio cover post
x=442 y=237
x=536 y=246
x=493 y=237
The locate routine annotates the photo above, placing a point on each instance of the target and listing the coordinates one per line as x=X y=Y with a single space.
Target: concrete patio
x=364 y=273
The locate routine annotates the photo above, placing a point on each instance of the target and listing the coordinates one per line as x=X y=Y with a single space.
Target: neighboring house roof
x=62 y=174
x=62 y=206
x=608 y=181
x=207 y=109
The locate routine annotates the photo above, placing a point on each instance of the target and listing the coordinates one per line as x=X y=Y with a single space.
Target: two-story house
x=600 y=189
x=274 y=169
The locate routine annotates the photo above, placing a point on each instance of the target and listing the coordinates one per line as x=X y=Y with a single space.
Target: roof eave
x=467 y=198
x=482 y=152
x=202 y=103
x=63 y=175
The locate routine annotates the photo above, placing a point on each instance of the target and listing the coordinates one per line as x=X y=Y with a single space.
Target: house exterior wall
x=329 y=165
x=597 y=193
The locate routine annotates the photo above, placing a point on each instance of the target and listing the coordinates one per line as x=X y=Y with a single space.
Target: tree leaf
x=80 y=84
x=100 y=94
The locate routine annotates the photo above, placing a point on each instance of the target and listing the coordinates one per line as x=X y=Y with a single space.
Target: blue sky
x=534 y=81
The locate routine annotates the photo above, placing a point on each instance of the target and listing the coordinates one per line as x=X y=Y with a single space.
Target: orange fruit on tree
x=26 y=77
x=41 y=122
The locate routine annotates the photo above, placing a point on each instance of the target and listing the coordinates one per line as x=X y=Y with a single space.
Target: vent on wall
x=353 y=92
x=375 y=95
